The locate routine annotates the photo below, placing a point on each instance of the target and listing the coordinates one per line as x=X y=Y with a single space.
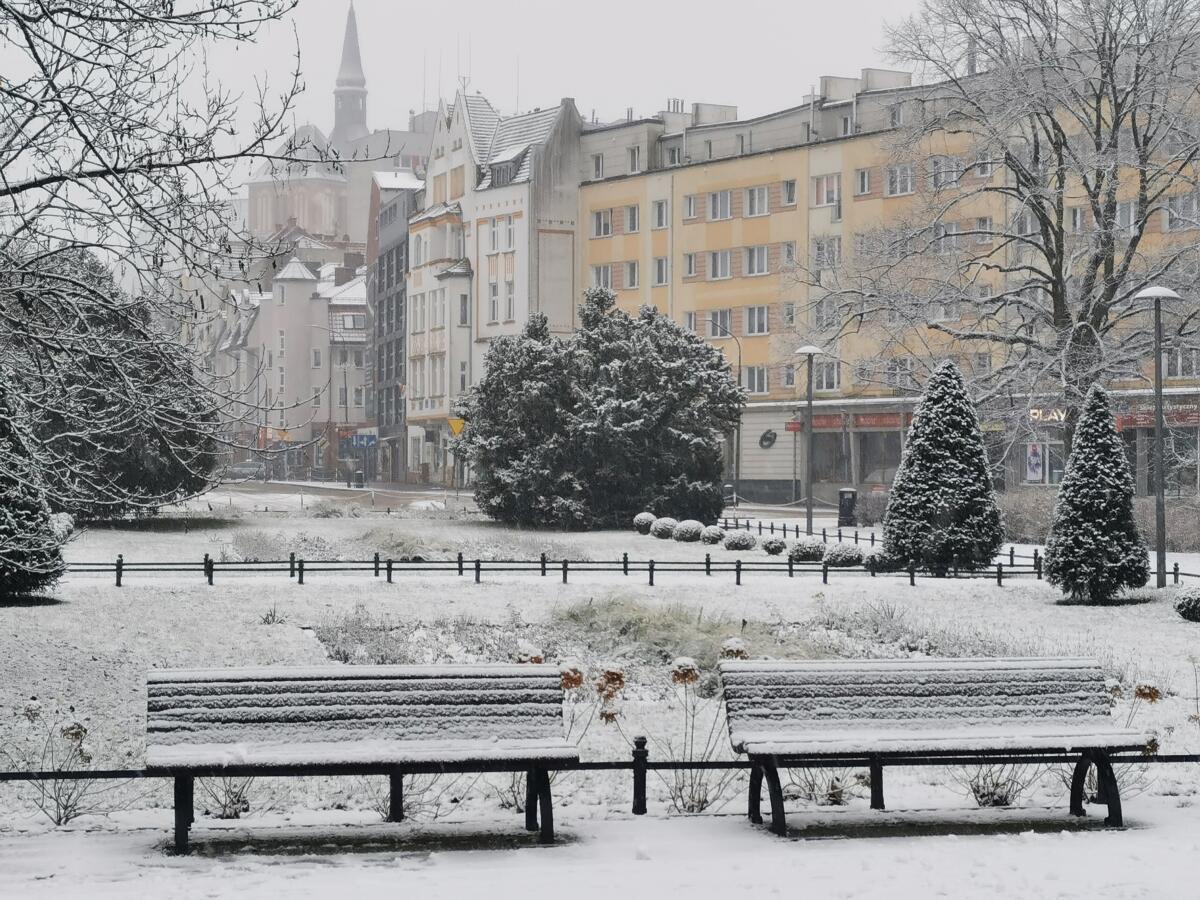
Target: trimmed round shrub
x=689 y=530
x=807 y=549
x=843 y=556
x=774 y=546
x=740 y=540
x=1188 y=604
x=712 y=534
x=881 y=560
x=642 y=522
x=663 y=528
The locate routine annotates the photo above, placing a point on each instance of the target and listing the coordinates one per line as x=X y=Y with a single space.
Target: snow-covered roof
x=462 y=267
x=295 y=271
x=438 y=209
x=397 y=180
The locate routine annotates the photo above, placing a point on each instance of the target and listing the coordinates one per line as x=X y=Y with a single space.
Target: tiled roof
x=481 y=124
x=397 y=180
x=295 y=271
x=462 y=267
x=436 y=210
x=513 y=140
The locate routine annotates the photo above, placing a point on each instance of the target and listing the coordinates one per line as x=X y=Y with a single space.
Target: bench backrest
x=333 y=703
x=819 y=695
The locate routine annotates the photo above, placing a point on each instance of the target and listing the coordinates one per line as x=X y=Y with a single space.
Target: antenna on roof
x=517 y=102
x=424 y=81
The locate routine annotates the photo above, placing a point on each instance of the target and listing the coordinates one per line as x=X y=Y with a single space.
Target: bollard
x=564 y=571
x=460 y=565
x=955 y=565
x=871 y=561
x=839 y=535
x=543 y=559
x=856 y=535
x=624 y=563
x=376 y=564
x=300 y=571
x=824 y=573
x=791 y=572
x=389 y=571
x=737 y=568
x=640 y=754
x=824 y=537
x=121 y=566
x=707 y=563
x=1000 y=574
x=211 y=566
x=292 y=564
x=872 y=539
x=477 y=568
x=650 y=568
x=1175 y=572
x=1037 y=565
x=912 y=575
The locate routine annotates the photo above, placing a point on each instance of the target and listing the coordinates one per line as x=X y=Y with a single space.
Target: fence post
x=1037 y=565
x=856 y=535
x=376 y=563
x=477 y=567
x=543 y=560
x=955 y=565
x=1174 y=572
x=872 y=539
x=824 y=537
x=791 y=567
x=211 y=566
x=624 y=563
x=650 y=568
x=737 y=569
x=640 y=753
x=564 y=571
x=871 y=561
x=708 y=564
x=121 y=566
x=839 y=535
x=772 y=528
x=1012 y=556
x=292 y=564
x=460 y=562
x=760 y=526
x=912 y=574
x=389 y=571
x=205 y=567
x=824 y=573
x=1000 y=574
x=300 y=571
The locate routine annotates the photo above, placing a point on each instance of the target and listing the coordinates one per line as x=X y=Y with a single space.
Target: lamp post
x=1157 y=294
x=810 y=351
x=737 y=434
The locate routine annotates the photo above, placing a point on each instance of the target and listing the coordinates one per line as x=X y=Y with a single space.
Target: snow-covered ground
x=92 y=643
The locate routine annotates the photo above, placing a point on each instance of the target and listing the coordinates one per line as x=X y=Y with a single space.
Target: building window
x=756 y=260
x=1183 y=212
x=896 y=115
x=945 y=171
x=899 y=180
x=635 y=160
x=756 y=201
x=862 y=181
x=789 y=253
x=602 y=276
x=720 y=323
x=316 y=362
x=846 y=125
x=789 y=375
x=708 y=150
x=462 y=377
x=984 y=167
x=689 y=321
x=493 y=302
x=741 y=139
x=983 y=230
x=689 y=264
x=755 y=379
x=633 y=219
x=418 y=250
x=946 y=238
x=437 y=310
x=662 y=271
x=631 y=274
x=826 y=190
x=661 y=212
x=509 y=233
x=789 y=314
x=359 y=359
x=602 y=223
x=358 y=396
x=718 y=205
x=1180 y=363
x=464 y=309
x=689 y=206
x=417 y=317
x=597 y=165
x=825 y=313
x=674 y=156
x=756 y=320
x=342 y=396
x=510 y=301
x=827 y=376
x=826 y=252
x=898 y=374
x=718 y=264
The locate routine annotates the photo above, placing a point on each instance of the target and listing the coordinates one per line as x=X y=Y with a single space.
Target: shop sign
x=794 y=425
x=878 y=420
x=1035 y=463
x=1047 y=415
x=1176 y=413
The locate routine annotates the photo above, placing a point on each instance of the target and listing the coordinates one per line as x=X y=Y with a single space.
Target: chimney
x=341 y=275
x=972 y=56
x=629 y=113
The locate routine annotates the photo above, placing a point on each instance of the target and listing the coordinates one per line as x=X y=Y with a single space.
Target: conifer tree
x=942 y=508
x=30 y=554
x=1094 y=548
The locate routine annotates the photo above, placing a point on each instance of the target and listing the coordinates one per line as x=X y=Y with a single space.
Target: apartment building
x=736 y=228
x=492 y=242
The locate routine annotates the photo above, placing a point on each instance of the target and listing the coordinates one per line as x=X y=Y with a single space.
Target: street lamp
x=1157 y=294
x=737 y=434
x=810 y=351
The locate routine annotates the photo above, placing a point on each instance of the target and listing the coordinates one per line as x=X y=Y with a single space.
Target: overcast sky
x=755 y=54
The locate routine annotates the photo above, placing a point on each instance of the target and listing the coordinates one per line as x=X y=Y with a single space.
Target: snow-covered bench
x=922 y=712
x=335 y=720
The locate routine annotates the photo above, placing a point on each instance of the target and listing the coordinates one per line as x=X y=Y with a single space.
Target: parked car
x=240 y=471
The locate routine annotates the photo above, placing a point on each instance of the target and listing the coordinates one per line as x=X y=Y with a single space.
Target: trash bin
x=360 y=479
x=847 y=499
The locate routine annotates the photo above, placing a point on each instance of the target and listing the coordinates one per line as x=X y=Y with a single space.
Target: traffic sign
x=456 y=426
x=793 y=425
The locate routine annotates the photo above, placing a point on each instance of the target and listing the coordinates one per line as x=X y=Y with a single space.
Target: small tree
x=1094 y=548
x=942 y=509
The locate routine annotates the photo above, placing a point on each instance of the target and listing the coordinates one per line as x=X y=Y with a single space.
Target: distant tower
x=350 y=92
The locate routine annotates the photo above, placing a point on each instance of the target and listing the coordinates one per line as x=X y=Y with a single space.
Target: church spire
x=350 y=91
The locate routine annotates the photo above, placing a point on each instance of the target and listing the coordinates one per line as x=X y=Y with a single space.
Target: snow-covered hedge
x=642 y=522
x=882 y=561
x=843 y=555
x=712 y=534
x=663 y=528
x=1188 y=604
x=62 y=526
x=689 y=530
x=740 y=540
x=807 y=549
x=774 y=546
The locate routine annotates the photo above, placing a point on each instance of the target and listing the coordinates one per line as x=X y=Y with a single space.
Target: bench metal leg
x=775 y=791
x=547 y=808
x=396 y=797
x=531 y=800
x=1078 y=780
x=876 y=784
x=754 y=804
x=1109 y=789
x=184 y=811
